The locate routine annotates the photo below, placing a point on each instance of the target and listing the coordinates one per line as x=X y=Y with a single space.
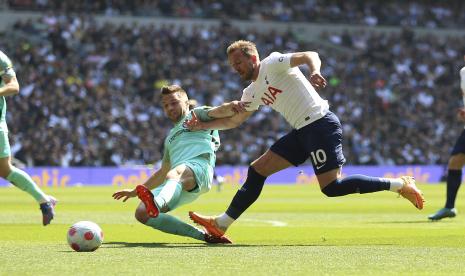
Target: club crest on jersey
x=270 y=97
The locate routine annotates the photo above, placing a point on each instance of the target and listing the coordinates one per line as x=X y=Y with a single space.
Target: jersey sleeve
x=278 y=62
x=202 y=113
x=248 y=96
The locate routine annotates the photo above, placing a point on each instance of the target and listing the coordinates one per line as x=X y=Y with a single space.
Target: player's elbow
x=13 y=89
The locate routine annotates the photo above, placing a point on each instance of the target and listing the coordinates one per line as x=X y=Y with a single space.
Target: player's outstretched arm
x=228 y=109
x=220 y=124
x=154 y=181
x=313 y=61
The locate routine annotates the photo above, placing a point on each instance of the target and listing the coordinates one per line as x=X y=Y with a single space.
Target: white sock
x=224 y=221
x=396 y=184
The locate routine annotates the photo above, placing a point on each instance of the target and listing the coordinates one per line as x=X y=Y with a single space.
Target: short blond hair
x=248 y=48
x=171 y=89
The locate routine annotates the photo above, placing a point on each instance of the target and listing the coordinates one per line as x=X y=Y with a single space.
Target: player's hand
x=317 y=80
x=193 y=123
x=461 y=114
x=239 y=106
x=125 y=194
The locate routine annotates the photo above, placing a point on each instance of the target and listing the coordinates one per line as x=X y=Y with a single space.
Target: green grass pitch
x=290 y=230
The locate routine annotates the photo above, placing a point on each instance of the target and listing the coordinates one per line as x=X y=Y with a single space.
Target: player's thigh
x=457 y=159
x=322 y=142
x=202 y=172
x=203 y=175
x=270 y=163
x=283 y=153
x=183 y=174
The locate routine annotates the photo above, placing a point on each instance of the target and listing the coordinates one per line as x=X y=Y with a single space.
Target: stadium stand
x=89 y=89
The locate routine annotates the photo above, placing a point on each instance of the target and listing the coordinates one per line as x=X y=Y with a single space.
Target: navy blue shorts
x=460 y=144
x=321 y=141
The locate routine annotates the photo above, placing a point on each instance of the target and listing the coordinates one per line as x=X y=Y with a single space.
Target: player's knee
x=173 y=174
x=5 y=169
x=456 y=162
x=331 y=190
x=141 y=215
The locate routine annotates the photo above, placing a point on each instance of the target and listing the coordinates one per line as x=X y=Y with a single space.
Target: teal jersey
x=6 y=70
x=181 y=144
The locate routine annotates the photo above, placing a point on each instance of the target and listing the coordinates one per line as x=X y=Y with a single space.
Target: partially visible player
x=456 y=163
x=218 y=180
x=186 y=169
x=276 y=81
x=9 y=86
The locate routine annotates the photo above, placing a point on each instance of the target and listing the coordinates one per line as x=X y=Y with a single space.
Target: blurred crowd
x=89 y=92
x=424 y=13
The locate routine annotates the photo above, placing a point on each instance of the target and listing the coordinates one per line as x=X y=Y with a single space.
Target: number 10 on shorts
x=318 y=158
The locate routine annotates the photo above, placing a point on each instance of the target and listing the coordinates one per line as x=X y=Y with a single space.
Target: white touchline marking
x=275 y=223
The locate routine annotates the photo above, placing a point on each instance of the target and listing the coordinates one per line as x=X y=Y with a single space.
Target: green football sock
x=23 y=181
x=172 y=225
x=169 y=196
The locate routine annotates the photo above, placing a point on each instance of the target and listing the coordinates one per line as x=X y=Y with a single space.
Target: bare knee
x=327 y=178
x=5 y=167
x=184 y=175
x=141 y=214
x=456 y=162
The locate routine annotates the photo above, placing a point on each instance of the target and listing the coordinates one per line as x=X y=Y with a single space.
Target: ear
x=254 y=58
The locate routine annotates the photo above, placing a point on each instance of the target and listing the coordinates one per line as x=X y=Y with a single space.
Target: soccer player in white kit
x=276 y=81
x=456 y=163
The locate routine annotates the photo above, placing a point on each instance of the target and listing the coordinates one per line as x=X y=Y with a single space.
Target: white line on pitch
x=275 y=223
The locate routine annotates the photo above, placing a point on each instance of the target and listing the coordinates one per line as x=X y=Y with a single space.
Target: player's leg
x=168 y=224
x=183 y=185
x=454 y=180
x=23 y=181
x=323 y=140
x=178 y=179
x=273 y=160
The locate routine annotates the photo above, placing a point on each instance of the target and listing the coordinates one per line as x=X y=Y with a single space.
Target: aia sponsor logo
x=271 y=95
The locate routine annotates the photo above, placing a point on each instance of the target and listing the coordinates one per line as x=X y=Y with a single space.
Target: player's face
x=242 y=64
x=175 y=106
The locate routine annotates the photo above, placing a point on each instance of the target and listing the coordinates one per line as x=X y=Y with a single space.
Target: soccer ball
x=85 y=236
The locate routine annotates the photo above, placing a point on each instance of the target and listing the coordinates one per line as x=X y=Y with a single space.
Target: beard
x=249 y=74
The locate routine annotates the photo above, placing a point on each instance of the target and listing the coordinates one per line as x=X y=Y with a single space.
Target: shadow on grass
x=118 y=245
x=170 y=245
x=424 y=221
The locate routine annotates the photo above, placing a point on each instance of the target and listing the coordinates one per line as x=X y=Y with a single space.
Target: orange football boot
x=146 y=196
x=410 y=192
x=208 y=223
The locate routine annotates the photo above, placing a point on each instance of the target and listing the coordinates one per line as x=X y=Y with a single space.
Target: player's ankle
x=223 y=221
x=396 y=184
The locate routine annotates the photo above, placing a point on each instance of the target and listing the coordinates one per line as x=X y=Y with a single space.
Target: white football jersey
x=286 y=90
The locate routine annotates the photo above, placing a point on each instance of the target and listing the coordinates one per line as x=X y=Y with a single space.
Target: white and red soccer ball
x=85 y=236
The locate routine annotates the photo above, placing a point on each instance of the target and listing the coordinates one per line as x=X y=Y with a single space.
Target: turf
x=291 y=230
